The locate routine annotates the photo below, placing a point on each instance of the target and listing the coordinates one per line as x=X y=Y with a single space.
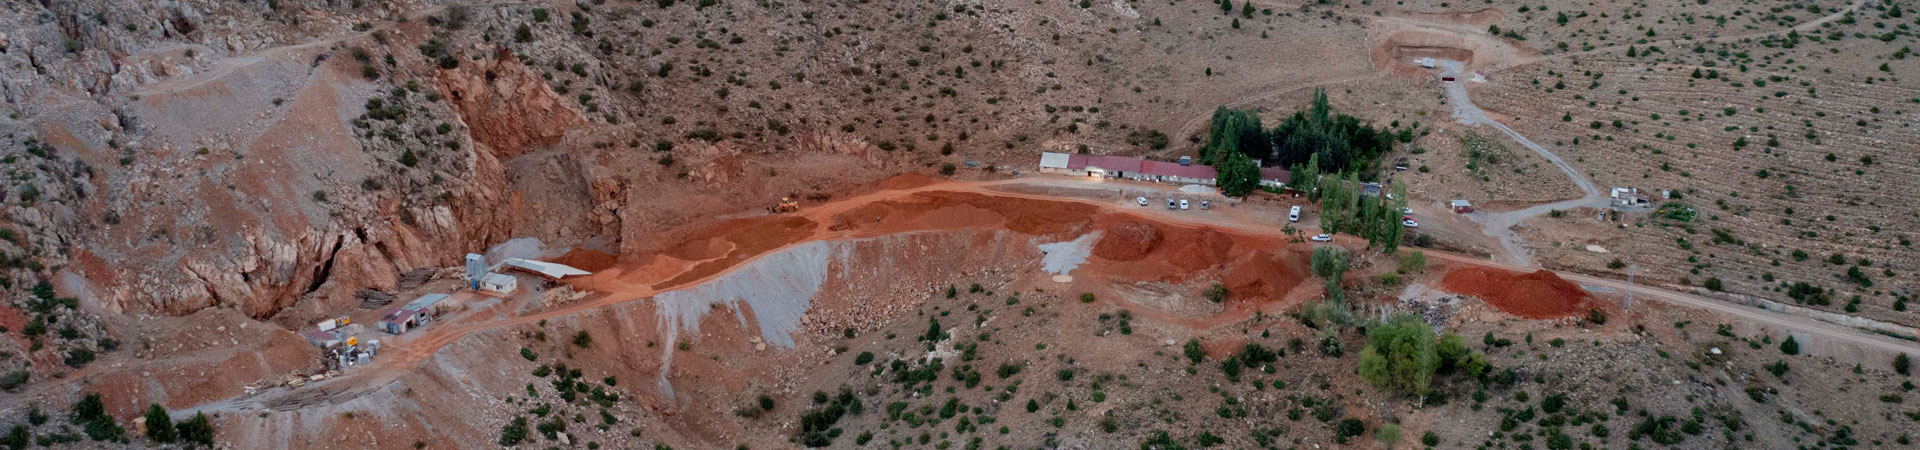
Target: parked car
x=1294 y=215
x=1403 y=210
x=1410 y=223
x=1172 y=205
x=1143 y=201
x=1323 y=238
x=1183 y=204
x=1205 y=203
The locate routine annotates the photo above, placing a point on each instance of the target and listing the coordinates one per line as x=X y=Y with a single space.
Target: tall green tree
x=1341 y=141
x=1332 y=190
x=1306 y=178
x=1233 y=131
x=1392 y=233
x=1237 y=175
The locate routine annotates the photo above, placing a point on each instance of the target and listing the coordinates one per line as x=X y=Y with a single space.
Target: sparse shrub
x=1413 y=261
x=1216 y=293
x=1790 y=346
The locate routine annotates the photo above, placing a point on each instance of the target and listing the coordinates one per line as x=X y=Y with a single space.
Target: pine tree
x=1632 y=52
x=159 y=424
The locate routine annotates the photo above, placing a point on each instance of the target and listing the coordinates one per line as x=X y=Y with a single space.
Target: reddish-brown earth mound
x=1537 y=295
x=1201 y=249
x=1267 y=276
x=587 y=259
x=1128 y=241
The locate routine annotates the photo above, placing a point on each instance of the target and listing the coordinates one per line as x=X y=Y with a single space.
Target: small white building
x=1051 y=162
x=498 y=282
x=1627 y=196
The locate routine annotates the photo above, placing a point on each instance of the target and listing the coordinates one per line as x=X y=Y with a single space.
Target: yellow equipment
x=787 y=204
x=353 y=340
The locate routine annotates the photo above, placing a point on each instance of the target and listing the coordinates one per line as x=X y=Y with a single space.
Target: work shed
x=1461 y=206
x=414 y=314
x=498 y=282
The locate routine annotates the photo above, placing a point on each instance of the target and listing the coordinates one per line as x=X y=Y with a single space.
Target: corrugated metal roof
x=1113 y=163
x=425 y=301
x=1168 y=169
x=1053 y=160
x=1276 y=174
x=550 y=270
x=1460 y=203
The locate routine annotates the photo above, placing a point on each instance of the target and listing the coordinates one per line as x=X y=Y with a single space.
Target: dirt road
x=1500 y=225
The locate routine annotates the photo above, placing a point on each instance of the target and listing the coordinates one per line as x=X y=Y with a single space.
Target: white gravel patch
x=1063 y=257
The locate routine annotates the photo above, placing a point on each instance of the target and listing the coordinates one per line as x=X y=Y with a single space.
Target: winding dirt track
x=404 y=356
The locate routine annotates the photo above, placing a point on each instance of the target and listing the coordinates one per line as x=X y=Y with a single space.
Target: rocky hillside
x=279 y=156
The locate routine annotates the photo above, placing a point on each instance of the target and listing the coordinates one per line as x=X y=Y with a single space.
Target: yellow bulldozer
x=787 y=205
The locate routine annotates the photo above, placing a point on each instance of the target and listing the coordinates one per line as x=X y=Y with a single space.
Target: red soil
x=1267 y=275
x=1205 y=247
x=936 y=210
x=14 y=320
x=1128 y=241
x=908 y=180
x=1537 y=295
x=749 y=238
x=1135 y=248
x=587 y=259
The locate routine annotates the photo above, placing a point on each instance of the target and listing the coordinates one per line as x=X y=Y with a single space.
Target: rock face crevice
x=509 y=109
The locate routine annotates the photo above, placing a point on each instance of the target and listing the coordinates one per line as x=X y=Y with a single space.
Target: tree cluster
x=1315 y=139
x=1402 y=355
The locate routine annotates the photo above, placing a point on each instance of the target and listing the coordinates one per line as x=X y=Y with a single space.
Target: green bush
x=1790 y=346
x=1216 y=293
x=13 y=380
x=196 y=430
x=1413 y=261
x=159 y=424
x=1400 y=356
x=515 y=432
x=1348 y=428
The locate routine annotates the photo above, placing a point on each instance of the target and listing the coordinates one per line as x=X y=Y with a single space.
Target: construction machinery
x=787 y=205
